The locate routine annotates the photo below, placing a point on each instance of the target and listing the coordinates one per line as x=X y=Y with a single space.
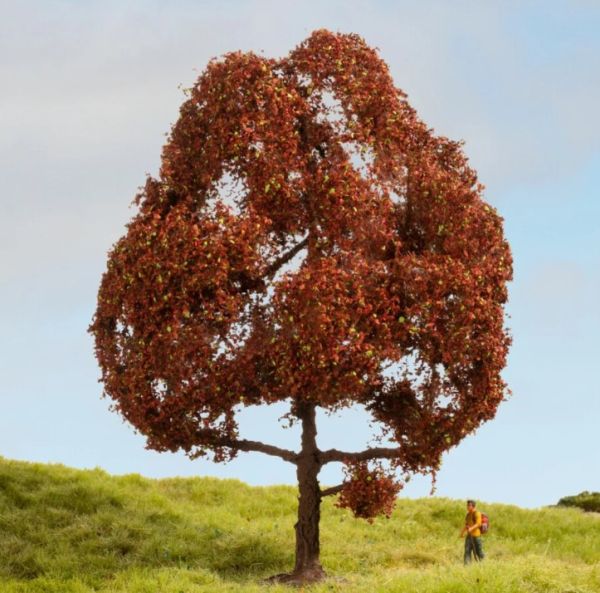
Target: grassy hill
x=70 y=531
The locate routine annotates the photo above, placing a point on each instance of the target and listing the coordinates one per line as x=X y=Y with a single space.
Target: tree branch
x=286 y=257
x=332 y=490
x=375 y=453
x=246 y=445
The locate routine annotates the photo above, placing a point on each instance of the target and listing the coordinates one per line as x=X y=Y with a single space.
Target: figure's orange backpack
x=485 y=523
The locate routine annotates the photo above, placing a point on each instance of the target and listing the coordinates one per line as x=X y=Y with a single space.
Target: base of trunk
x=301 y=577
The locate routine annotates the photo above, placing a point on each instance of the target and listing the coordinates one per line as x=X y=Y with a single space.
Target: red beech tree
x=308 y=240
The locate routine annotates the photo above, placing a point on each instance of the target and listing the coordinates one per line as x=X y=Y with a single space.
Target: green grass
x=70 y=531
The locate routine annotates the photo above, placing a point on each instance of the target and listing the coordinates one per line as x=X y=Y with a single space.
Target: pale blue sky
x=87 y=92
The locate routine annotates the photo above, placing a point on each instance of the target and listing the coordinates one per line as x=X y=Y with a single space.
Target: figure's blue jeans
x=473 y=547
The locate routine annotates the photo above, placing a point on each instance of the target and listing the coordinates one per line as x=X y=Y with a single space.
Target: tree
x=308 y=240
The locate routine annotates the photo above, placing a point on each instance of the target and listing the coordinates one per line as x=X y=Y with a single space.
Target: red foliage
x=368 y=492
x=308 y=239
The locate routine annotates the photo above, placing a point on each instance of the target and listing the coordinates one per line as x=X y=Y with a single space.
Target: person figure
x=472 y=532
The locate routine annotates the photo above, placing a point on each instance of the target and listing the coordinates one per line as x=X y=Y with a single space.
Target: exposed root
x=303 y=577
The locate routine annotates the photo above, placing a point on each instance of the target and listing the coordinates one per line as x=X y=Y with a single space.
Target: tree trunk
x=309 y=500
x=307 y=568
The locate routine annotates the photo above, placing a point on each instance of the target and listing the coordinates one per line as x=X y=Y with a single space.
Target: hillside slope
x=71 y=531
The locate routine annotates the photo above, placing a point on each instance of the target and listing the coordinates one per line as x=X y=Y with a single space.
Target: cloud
x=474 y=70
